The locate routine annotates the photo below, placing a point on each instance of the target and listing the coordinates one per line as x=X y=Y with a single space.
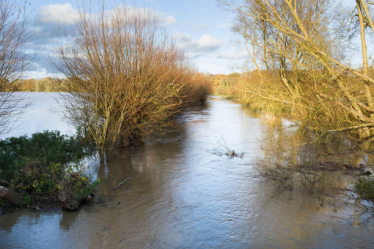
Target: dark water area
x=185 y=192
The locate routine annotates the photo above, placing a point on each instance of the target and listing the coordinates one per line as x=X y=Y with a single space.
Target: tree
x=127 y=78
x=13 y=61
x=302 y=46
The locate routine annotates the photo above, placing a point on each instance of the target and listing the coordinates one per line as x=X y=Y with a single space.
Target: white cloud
x=58 y=13
x=205 y=44
x=66 y=14
x=208 y=41
x=46 y=28
x=170 y=20
x=182 y=37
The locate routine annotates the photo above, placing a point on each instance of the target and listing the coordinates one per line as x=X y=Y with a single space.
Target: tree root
x=11 y=196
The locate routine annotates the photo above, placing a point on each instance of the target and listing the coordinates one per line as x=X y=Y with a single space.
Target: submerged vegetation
x=124 y=79
x=127 y=77
x=299 y=52
x=330 y=164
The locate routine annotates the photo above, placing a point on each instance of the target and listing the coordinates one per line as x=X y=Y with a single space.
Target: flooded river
x=185 y=193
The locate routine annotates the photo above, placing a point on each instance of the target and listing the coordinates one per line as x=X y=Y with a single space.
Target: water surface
x=45 y=112
x=185 y=193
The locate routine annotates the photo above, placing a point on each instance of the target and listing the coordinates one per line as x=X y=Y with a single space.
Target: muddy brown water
x=185 y=193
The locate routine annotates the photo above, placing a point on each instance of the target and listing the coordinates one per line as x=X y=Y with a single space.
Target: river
x=185 y=193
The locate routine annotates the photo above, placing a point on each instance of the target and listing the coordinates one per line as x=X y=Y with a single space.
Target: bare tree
x=126 y=76
x=303 y=48
x=13 y=61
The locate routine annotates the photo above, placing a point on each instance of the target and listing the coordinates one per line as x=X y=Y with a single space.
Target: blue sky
x=200 y=27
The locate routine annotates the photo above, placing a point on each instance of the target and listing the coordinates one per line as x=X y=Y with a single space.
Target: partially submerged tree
x=13 y=61
x=299 y=43
x=127 y=78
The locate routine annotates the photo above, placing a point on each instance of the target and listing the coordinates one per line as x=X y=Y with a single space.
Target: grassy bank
x=304 y=157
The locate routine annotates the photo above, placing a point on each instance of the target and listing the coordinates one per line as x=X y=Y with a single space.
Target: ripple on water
x=181 y=195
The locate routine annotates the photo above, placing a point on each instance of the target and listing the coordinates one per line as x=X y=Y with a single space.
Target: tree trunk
x=11 y=196
x=364 y=51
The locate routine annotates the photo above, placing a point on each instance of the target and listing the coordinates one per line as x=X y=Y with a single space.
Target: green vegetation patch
x=44 y=165
x=365 y=188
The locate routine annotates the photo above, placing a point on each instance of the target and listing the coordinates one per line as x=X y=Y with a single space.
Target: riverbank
x=44 y=169
x=301 y=158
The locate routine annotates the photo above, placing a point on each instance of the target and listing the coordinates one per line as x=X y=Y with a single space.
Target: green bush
x=40 y=164
x=365 y=188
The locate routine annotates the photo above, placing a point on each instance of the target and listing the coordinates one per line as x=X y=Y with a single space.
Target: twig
x=362 y=205
x=121 y=183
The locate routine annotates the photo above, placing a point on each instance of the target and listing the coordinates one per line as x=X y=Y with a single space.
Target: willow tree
x=126 y=76
x=13 y=61
x=303 y=47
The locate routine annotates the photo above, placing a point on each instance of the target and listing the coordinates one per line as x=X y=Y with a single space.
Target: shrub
x=365 y=188
x=127 y=77
x=43 y=163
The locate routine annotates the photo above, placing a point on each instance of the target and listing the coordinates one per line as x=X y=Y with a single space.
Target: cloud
x=58 y=14
x=170 y=20
x=210 y=42
x=234 y=55
x=199 y=27
x=51 y=22
x=65 y=14
x=204 y=45
x=55 y=21
x=182 y=38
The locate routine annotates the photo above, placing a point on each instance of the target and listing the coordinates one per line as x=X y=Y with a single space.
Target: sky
x=201 y=28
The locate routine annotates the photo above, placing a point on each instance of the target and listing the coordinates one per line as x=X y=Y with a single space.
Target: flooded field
x=185 y=192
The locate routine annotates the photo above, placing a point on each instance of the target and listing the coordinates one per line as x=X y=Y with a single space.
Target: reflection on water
x=286 y=139
x=183 y=196
x=45 y=113
x=300 y=159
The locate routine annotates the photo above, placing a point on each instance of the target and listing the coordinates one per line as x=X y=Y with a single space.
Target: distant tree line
x=48 y=84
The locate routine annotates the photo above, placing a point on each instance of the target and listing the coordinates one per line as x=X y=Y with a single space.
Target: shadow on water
x=181 y=195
